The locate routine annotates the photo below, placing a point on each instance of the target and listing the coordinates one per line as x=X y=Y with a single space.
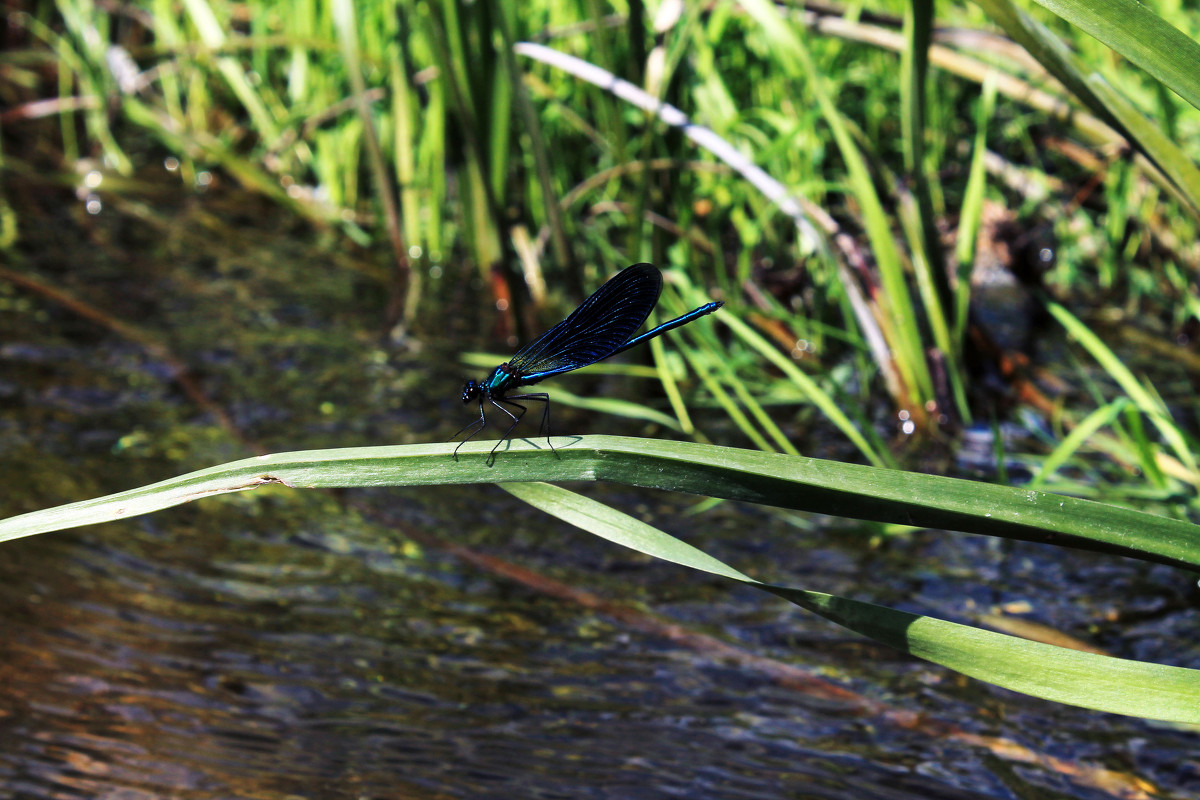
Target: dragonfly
x=599 y=328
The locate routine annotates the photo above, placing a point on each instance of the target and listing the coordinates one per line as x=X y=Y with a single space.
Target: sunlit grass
x=827 y=166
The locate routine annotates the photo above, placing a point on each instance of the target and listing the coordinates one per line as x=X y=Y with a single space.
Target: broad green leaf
x=1117 y=685
x=1136 y=32
x=1121 y=686
x=796 y=482
x=1093 y=92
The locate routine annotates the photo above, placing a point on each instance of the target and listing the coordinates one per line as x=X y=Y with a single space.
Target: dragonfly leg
x=540 y=397
x=516 y=418
x=481 y=422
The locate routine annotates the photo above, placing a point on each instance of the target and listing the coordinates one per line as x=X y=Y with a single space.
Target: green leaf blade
x=1104 y=683
x=795 y=482
x=1136 y=32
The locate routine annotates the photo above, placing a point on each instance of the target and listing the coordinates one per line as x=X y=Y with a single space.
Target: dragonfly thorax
x=500 y=381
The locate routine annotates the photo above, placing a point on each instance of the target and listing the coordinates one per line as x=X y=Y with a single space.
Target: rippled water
x=286 y=644
x=210 y=658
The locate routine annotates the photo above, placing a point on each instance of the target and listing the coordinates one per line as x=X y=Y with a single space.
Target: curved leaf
x=786 y=481
x=1121 y=686
x=1136 y=32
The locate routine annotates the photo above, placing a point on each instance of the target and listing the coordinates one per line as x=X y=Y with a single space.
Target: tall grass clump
x=838 y=178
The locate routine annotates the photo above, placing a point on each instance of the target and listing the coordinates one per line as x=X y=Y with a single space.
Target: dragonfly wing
x=595 y=330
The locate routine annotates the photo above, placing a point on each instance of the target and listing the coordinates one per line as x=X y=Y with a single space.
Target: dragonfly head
x=471 y=390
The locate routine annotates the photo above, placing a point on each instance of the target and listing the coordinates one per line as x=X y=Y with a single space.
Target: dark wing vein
x=600 y=325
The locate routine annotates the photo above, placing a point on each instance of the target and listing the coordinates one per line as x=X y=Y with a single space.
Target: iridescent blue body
x=599 y=328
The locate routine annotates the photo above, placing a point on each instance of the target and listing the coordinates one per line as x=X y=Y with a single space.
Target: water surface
x=282 y=644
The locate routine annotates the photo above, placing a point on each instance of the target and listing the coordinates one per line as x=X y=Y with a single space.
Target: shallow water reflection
x=336 y=687
x=197 y=663
x=285 y=644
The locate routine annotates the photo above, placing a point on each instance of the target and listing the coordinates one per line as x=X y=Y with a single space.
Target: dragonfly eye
x=471 y=390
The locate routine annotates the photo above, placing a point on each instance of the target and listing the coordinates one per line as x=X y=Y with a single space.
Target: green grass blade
x=617 y=407
x=1049 y=51
x=796 y=482
x=914 y=69
x=775 y=191
x=971 y=214
x=245 y=171
x=1149 y=405
x=934 y=293
x=79 y=61
x=560 y=224
x=213 y=36
x=896 y=302
x=348 y=43
x=1096 y=95
x=702 y=369
x=1117 y=685
x=1153 y=141
x=1133 y=30
x=748 y=401
x=1100 y=418
x=670 y=386
x=729 y=377
x=1145 y=449
x=1121 y=686
x=618 y=527
x=808 y=387
x=703 y=137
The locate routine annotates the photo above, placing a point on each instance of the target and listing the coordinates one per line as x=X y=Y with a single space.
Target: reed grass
x=542 y=146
